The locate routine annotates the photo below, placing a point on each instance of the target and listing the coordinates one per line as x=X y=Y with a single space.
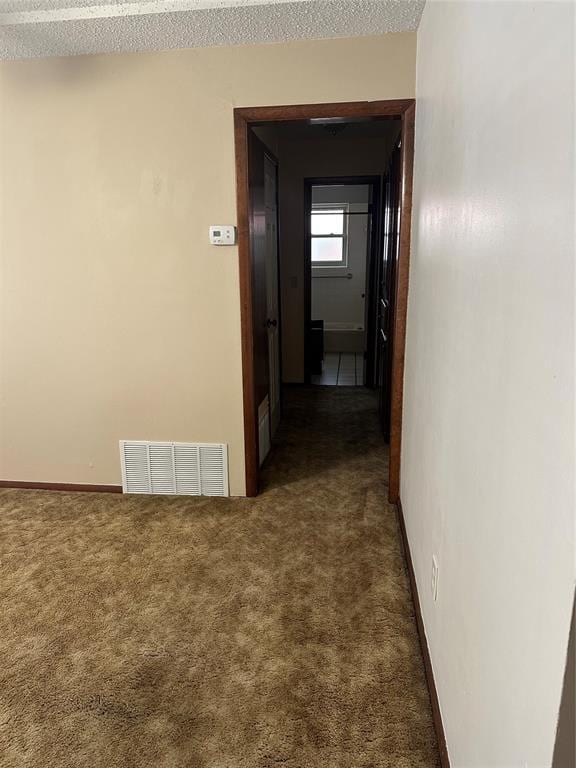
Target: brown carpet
x=218 y=633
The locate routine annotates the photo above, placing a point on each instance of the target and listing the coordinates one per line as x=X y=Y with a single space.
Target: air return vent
x=188 y=469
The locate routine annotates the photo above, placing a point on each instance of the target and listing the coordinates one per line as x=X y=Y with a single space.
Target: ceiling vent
x=183 y=469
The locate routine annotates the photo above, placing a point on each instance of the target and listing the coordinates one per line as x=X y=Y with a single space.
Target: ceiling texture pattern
x=33 y=28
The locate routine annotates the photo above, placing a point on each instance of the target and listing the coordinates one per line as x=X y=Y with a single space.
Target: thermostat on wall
x=224 y=235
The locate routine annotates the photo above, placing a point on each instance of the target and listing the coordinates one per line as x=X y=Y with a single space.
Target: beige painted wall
x=118 y=319
x=488 y=463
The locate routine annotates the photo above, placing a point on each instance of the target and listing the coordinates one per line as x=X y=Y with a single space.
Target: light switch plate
x=222 y=234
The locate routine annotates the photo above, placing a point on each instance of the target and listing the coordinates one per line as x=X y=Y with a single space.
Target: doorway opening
x=342 y=216
x=324 y=205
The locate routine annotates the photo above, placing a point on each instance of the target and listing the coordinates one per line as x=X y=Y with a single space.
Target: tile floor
x=343 y=369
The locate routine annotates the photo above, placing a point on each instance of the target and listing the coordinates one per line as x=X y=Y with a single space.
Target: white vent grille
x=186 y=469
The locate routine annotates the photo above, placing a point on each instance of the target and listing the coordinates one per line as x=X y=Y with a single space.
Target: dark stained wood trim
x=60 y=486
x=401 y=303
x=247 y=323
x=244 y=118
x=307 y=278
x=435 y=704
x=392 y=108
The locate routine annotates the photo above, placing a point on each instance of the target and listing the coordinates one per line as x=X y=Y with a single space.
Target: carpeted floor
x=142 y=632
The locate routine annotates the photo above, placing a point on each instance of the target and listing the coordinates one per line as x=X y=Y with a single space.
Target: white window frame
x=343 y=263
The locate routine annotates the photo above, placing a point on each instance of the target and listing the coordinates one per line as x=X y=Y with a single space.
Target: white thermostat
x=224 y=235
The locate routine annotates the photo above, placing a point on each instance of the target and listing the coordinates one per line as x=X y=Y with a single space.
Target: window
x=329 y=234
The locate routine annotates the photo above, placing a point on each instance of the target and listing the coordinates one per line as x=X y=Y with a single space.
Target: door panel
x=386 y=286
x=264 y=252
x=272 y=293
x=259 y=302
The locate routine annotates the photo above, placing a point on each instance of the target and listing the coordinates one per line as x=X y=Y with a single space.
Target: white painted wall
x=488 y=437
x=335 y=299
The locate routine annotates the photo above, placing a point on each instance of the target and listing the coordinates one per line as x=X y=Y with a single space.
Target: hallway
x=198 y=632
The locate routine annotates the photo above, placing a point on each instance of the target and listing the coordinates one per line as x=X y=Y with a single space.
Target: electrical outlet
x=434 y=581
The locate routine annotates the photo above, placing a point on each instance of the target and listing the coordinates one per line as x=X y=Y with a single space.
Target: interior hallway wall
x=118 y=319
x=488 y=438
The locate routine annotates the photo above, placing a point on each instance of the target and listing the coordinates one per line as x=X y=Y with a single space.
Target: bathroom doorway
x=342 y=235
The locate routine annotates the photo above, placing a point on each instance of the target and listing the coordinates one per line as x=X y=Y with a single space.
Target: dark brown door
x=386 y=288
x=256 y=154
x=263 y=219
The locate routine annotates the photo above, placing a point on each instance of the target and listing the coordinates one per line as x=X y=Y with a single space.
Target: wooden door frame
x=244 y=119
x=375 y=182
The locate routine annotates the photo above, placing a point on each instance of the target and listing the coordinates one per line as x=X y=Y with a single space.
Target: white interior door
x=272 y=290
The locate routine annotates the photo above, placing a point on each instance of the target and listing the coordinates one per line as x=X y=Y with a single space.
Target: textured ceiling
x=30 y=28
